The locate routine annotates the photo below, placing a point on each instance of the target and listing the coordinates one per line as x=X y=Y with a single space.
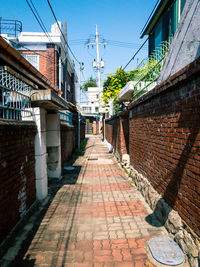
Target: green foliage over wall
x=148 y=72
x=90 y=83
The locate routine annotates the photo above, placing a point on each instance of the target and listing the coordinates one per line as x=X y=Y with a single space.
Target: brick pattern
x=48 y=64
x=165 y=141
x=108 y=209
x=103 y=187
x=92 y=228
x=17 y=171
x=117 y=133
x=67 y=142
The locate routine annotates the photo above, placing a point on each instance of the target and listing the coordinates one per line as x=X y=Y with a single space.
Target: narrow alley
x=94 y=217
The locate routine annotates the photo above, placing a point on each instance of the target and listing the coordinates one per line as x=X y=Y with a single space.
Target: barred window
x=33 y=59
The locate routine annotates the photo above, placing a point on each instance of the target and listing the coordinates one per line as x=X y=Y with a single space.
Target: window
x=174 y=16
x=182 y=4
x=158 y=34
x=33 y=59
x=96 y=109
x=166 y=26
x=87 y=109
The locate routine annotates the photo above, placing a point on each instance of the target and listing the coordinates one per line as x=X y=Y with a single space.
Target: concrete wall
x=53 y=146
x=17 y=173
x=185 y=47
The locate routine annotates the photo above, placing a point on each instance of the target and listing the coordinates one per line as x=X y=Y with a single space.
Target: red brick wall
x=48 y=63
x=117 y=133
x=165 y=141
x=17 y=174
x=68 y=142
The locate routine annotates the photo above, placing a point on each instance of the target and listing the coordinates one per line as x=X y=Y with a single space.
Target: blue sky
x=118 y=20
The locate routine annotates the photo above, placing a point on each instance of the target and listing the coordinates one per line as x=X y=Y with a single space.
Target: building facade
x=163 y=22
x=48 y=53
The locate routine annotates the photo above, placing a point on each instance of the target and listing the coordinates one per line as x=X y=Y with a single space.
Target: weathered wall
x=185 y=46
x=17 y=173
x=69 y=139
x=117 y=133
x=67 y=142
x=165 y=141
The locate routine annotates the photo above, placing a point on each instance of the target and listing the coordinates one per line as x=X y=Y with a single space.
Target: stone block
x=41 y=166
x=41 y=188
x=53 y=122
x=40 y=143
x=53 y=138
x=40 y=118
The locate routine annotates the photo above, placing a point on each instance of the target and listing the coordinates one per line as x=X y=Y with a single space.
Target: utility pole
x=98 y=61
x=81 y=64
x=97 y=64
x=66 y=63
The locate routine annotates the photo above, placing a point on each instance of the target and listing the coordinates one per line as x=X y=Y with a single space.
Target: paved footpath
x=95 y=218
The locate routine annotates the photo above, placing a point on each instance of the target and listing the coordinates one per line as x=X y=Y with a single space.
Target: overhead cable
x=62 y=32
x=38 y=20
x=136 y=53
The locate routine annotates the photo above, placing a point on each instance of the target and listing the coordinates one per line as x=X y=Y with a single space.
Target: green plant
x=90 y=83
x=82 y=147
x=148 y=72
x=113 y=85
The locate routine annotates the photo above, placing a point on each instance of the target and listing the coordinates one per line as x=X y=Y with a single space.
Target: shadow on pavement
x=55 y=195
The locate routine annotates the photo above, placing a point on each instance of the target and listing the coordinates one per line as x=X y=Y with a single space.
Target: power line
x=42 y=24
x=150 y=16
x=62 y=32
x=136 y=53
x=38 y=19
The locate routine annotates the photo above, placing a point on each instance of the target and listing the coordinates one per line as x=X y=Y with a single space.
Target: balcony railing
x=10 y=27
x=149 y=70
x=66 y=116
x=15 y=97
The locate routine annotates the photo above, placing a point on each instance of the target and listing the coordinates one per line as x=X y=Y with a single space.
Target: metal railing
x=66 y=116
x=10 y=27
x=150 y=70
x=15 y=97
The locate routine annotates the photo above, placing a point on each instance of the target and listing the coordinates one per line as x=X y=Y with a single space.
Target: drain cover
x=166 y=251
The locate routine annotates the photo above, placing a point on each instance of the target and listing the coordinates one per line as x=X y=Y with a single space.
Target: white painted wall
x=53 y=146
x=39 y=115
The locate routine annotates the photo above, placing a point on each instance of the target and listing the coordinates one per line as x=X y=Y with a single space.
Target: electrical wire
x=62 y=32
x=136 y=53
x=41 y=20
x=150 y=16
x=38 y=20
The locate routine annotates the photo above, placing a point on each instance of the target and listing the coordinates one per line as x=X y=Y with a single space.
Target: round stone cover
x=166 y=251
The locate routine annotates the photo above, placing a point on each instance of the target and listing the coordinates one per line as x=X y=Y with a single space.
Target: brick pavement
x=95 y=218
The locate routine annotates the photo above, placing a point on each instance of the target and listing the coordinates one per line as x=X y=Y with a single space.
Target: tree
x=90 y=83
